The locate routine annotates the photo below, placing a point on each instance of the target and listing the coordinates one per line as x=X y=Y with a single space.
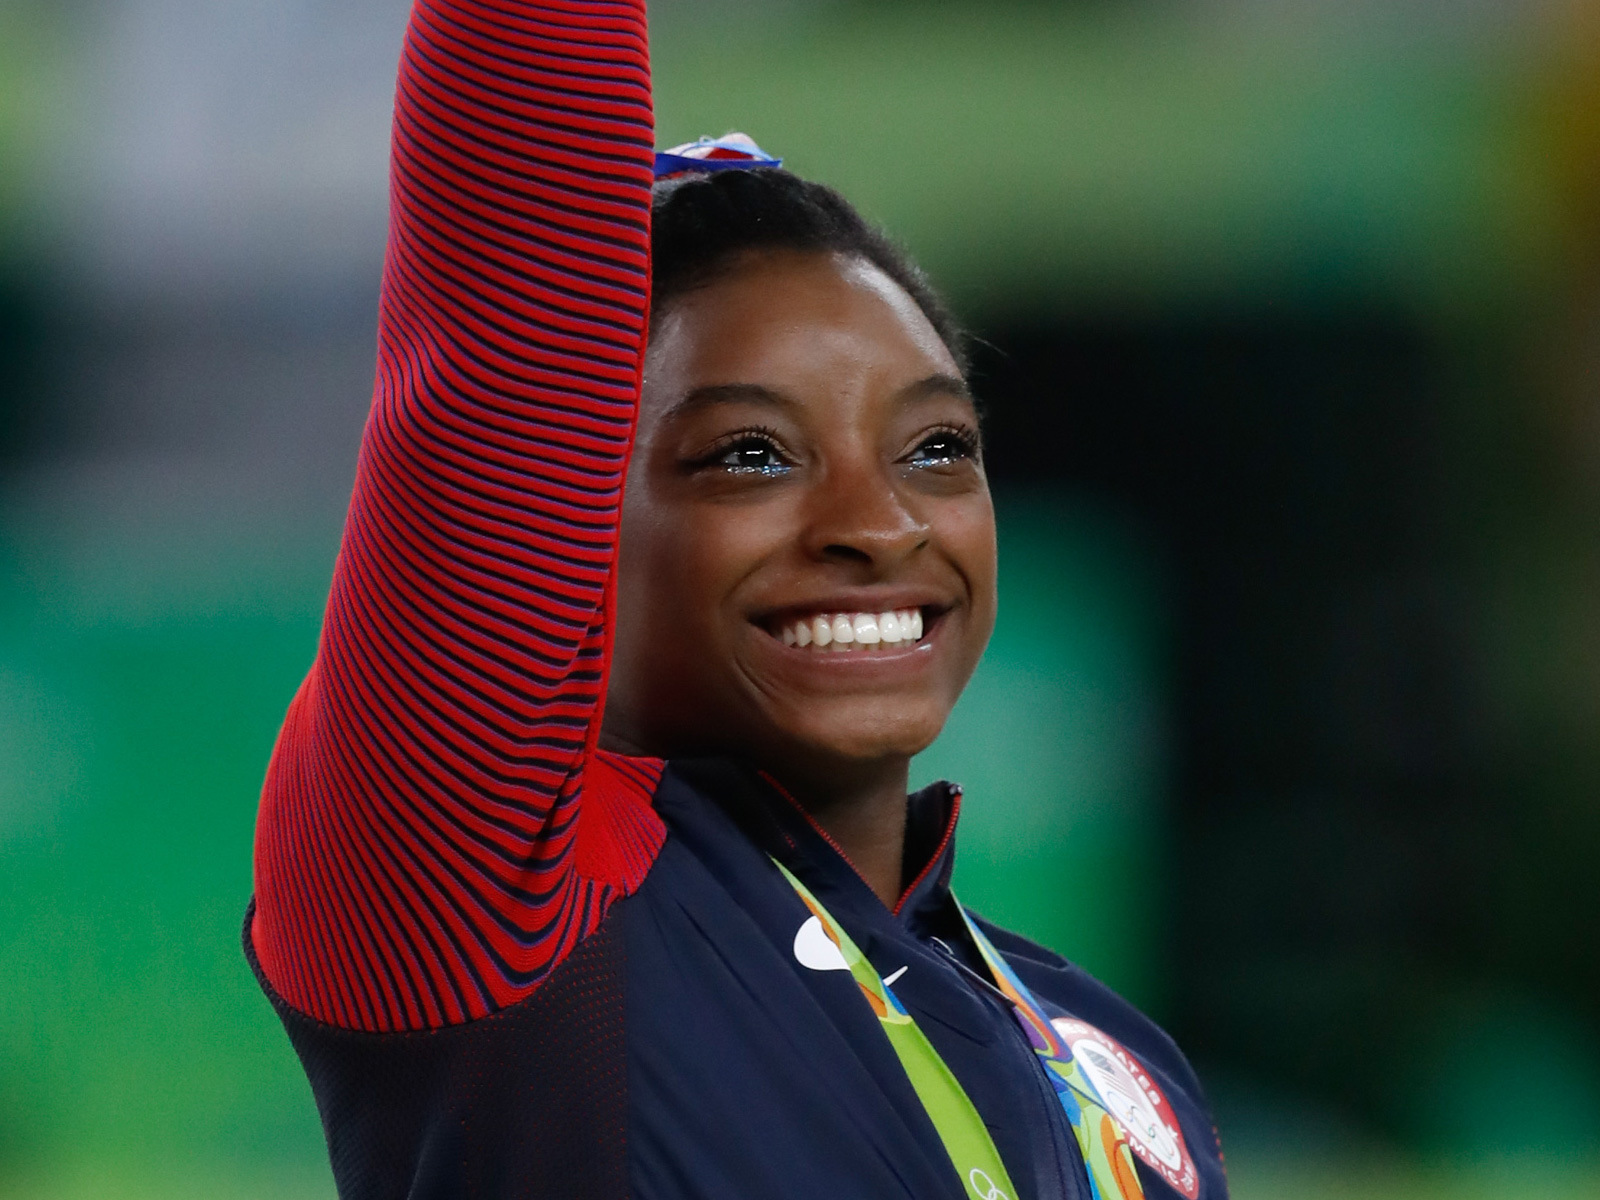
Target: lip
x=933 y=606
x=857 y=669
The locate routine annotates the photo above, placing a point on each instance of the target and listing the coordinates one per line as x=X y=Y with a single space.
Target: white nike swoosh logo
x=815 y=949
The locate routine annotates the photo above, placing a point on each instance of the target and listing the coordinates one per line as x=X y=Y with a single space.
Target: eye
x=748 y=452
x=942 y=447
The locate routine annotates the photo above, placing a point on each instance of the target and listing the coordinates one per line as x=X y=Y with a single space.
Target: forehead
x=808 y=324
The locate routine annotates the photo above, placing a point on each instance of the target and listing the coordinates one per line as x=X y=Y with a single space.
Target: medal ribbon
x=972 y=1151
x=1105 y=1147
x=966 y=1140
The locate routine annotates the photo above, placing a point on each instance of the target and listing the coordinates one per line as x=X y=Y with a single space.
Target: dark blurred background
x=1290 y=340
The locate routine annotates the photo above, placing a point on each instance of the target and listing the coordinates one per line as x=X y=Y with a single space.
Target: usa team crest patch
x=1136 y=1101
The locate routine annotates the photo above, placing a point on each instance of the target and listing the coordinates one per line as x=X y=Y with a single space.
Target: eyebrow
x=936 y=385
x=940 y=384
x=730 y=393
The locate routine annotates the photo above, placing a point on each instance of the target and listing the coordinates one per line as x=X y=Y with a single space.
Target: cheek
x=682 y=564
x=968 y=533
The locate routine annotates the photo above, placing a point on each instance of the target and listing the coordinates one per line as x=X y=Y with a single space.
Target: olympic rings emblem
x=986 y=1190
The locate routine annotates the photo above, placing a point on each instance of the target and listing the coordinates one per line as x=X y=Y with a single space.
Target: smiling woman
x=807 y=459
x=586 y=864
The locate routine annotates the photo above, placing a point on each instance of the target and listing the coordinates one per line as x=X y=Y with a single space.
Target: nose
x=857 y=515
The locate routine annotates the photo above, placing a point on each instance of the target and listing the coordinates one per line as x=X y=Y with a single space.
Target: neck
x=866 y=817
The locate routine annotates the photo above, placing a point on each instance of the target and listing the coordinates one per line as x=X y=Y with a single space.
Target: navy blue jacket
x=683 y=1053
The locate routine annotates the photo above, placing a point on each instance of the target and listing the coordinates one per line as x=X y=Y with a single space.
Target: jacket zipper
x=1068 y=1175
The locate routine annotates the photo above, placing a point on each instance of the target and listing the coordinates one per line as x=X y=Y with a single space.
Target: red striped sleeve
x=437 y=828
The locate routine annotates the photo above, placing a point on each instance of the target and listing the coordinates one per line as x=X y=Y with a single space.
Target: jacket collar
x=781 y=827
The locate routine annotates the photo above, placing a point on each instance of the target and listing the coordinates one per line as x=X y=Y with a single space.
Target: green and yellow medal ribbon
x=971 y=1149
x=1105 y=1147
x=966 y=1140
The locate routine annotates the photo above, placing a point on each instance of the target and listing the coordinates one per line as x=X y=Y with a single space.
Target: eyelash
x=728 y=443
x=964 y=437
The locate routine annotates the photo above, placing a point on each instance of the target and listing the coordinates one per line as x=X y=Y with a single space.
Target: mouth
x=854 y=632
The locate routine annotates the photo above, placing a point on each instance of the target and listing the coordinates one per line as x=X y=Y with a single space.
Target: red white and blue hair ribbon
x=730 y=152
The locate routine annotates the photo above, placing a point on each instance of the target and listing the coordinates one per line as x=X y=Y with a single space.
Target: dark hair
x=702 y=223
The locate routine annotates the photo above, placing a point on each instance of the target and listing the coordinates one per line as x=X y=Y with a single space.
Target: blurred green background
x=1290 y=320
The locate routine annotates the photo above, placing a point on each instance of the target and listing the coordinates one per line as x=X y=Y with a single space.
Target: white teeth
x=846 y=631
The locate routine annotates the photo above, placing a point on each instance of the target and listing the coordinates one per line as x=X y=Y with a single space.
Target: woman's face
x=806 y=450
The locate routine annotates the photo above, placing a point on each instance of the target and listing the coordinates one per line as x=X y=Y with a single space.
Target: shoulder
x=1133 y=1062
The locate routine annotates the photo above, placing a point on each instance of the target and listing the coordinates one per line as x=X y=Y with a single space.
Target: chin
x=862 y=737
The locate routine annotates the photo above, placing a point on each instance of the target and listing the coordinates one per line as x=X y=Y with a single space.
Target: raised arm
x=420 y=857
